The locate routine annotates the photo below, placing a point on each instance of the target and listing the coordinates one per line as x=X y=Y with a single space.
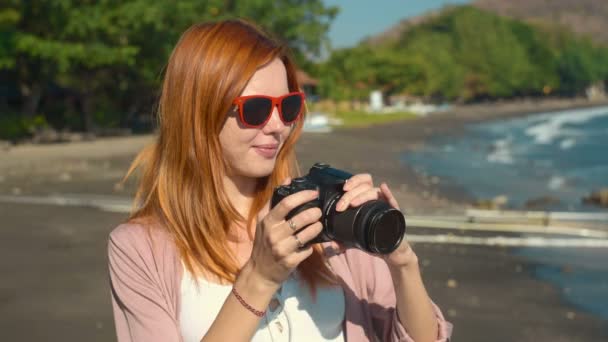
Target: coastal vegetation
x=465 y=54
x=96 y=67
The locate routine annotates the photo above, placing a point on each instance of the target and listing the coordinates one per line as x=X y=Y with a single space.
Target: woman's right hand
x=276 y=247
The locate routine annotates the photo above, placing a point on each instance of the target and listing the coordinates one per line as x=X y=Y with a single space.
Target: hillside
x=467 y=54
x=585 y=17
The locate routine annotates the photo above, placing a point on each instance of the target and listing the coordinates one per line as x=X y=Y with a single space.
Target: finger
x=300 y=221
x=309 y=233
x=347 y=197
x=290 y=243
x=295 y=258
x=366 y=196
x=358 y=179
x=287 y=204
x=286 y=181
x=388 y=195
x=303 y=237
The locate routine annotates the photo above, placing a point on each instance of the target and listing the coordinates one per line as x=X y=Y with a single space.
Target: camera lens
x=374 y=227
x=385 y=230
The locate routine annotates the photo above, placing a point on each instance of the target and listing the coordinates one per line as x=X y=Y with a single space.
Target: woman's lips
x=266 y=151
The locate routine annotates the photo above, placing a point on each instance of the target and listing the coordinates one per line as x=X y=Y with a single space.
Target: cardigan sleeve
x=141 y=298
x=383 y=302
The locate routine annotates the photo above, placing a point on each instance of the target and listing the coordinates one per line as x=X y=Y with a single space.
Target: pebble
x=65 y=177
x=16 y=191
x=570 y=315
x=452 y=283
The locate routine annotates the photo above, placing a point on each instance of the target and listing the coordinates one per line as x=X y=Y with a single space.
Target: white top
x=297 y=318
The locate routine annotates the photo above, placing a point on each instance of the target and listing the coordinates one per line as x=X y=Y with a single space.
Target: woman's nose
x=275 y=123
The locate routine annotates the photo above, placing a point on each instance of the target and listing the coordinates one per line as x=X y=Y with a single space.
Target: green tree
x=466 y=54
x=108 y=55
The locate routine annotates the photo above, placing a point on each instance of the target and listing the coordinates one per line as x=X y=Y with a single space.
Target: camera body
x=373 y=226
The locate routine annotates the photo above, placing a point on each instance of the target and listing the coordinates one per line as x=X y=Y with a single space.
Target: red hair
x=181 y=184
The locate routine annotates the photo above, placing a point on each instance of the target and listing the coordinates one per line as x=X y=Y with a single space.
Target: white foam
x=556 y=182
x=502 y=152
x=567 y=143
x=550 y=125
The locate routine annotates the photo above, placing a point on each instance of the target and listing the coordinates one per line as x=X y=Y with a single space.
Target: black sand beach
x=54 y=257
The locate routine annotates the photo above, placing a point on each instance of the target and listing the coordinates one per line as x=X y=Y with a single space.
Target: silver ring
x=300 y=244
x=292 y=225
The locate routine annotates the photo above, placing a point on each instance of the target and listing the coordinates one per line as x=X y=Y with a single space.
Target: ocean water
x=581 y=275
x=560 y=156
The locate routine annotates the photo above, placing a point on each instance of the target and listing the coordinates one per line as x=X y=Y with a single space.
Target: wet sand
x=488 y=293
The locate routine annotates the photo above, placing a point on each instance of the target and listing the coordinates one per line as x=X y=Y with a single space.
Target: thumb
x=286 y=181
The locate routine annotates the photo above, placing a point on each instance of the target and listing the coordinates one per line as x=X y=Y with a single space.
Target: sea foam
x=550 y=126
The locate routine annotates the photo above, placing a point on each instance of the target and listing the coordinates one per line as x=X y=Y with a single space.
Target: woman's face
x=252 y=152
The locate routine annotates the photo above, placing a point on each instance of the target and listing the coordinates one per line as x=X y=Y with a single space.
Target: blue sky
x=362 y=18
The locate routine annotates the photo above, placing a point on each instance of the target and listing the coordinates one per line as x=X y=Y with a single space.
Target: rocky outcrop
x=539 y=203
x=491 y=204
x=599 y=198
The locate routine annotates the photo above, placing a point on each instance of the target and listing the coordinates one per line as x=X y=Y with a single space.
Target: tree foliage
x=466 y=54
x=85 y=64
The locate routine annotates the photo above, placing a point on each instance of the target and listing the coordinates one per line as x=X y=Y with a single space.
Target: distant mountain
x=395 y=31
x=586 y=17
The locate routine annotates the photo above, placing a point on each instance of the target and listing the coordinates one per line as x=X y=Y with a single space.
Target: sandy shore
x=88 y=166
x=485 y=291
x=378 y=149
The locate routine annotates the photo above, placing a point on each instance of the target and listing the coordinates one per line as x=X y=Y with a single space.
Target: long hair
x=181 y=184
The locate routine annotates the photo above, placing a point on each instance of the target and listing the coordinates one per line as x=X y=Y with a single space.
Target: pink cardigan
x=146 y=271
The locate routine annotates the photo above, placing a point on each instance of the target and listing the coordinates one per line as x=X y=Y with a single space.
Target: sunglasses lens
x=292 y=106
x=256 y=110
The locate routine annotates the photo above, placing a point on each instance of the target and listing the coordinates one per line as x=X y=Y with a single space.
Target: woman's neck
x=241 y=192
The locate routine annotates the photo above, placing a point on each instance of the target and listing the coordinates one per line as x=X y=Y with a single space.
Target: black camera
x=374 y=226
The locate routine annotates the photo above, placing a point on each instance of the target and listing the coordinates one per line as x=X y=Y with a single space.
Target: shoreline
x=474 y=285
x=486 y=291
x=411 y=135
x=375 y=149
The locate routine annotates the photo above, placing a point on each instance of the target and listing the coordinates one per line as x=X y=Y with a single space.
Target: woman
x=203 y=257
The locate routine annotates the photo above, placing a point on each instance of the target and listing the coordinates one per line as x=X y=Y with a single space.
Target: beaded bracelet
x=247 y=306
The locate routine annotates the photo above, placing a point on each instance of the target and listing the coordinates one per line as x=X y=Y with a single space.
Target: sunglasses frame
x=276 y=102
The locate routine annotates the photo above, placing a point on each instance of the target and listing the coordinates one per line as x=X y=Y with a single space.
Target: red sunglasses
x=255 y=110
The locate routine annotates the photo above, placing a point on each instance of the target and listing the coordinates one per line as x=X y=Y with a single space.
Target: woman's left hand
x=360 y=189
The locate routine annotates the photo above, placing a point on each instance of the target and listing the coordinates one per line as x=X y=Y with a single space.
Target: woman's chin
x=259 y=169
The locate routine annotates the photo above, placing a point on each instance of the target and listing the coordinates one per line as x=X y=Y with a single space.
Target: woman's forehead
x=271 y=79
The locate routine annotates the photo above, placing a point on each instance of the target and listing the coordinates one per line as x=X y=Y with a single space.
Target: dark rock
x=492 y=204
x=541 y=202
x=599 y=197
